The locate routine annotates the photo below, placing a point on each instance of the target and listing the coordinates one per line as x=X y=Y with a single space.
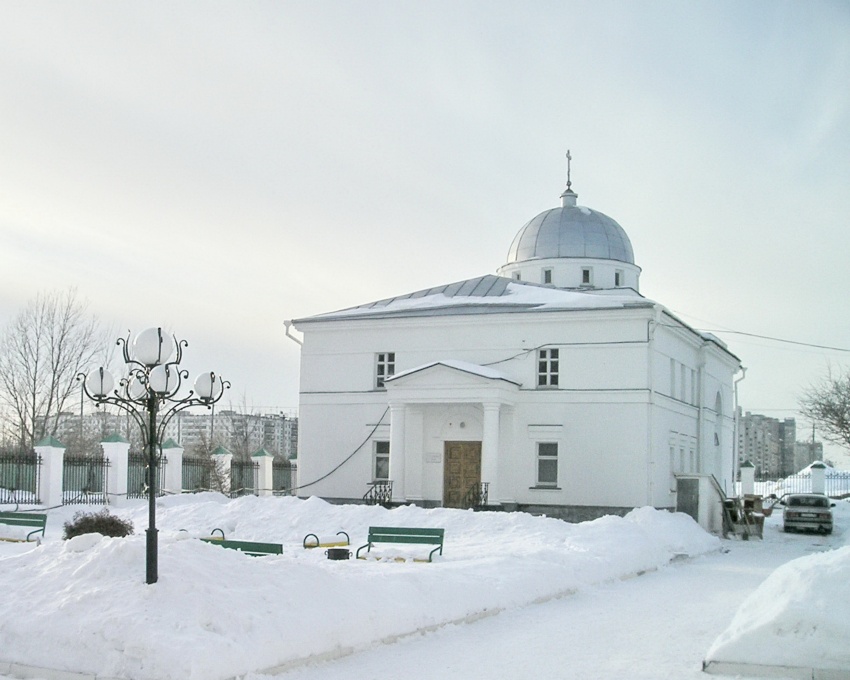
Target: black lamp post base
x=151 y=560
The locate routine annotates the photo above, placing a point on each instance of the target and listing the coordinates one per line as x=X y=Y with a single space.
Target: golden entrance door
x=462 y=469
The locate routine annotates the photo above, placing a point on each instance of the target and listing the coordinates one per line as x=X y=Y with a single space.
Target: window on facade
x=547 y=368
x=586 y=276
x=547 y=276
x=517 y=276
x=618 y=278
x=382 y=461
x=683 y=377
x=547 y=464
x=384 y=367
x=673 y=378
x=693 y=387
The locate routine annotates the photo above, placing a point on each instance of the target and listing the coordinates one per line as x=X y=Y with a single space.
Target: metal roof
x=571 y=231
x=488 y=294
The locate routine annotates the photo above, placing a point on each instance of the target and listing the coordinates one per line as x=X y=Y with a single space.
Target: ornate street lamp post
x=148 y=393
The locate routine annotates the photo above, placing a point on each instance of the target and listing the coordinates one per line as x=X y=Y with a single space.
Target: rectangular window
x=517 y=276
x=618 y=278
x=547 y=368
x=547 y=276
x=673 y=378
x=547 y=464
x=382 y=461
x=384 y=367
x=683 y=376
x=586 y=276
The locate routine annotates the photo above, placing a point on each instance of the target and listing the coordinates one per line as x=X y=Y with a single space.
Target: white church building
x=553 y=387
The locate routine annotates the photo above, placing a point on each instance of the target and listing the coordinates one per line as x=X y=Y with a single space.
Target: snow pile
x=797 y=618
x=794 y=624
x=82 y=605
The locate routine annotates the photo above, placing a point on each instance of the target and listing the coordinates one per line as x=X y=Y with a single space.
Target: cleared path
x=652 y=627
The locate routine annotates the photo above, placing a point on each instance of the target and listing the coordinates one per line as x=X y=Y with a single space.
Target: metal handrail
x=477 y=495
x=381 y=493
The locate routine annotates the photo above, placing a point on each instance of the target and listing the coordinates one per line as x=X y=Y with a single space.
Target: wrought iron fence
x=19 y=477
x=198 y=474
x=138 y=475
x=836 y=482
x=243 y=477
x=284 y=475
x=84 y=479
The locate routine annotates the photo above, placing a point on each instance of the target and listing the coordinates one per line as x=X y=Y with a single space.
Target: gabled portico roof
x=462 y=366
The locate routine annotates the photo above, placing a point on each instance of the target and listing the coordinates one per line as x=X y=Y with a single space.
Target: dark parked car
x=807 y=512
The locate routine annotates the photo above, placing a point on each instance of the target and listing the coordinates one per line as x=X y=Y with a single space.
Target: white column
x=116 y=450
x=222 y=458
x=397 y=453
x=265 y=461
x=490 y=452
x=818 y=477
x=748 y=478
x=414 y=454
x=52 y=454
x=173 y=452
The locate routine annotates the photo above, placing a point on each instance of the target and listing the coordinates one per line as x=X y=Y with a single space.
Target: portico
x=439 y=404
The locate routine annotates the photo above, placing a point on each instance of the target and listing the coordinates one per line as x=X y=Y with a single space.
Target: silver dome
x=571 y=231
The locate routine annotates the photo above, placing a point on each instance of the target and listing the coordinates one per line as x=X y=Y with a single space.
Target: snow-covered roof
x=488 y=294
x=464 y=366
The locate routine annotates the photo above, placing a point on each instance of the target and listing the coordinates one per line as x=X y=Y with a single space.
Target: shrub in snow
x=97 y=523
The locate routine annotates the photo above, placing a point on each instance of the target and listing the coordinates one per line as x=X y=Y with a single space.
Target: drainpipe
x=288 y=325
x=735 y=444
x=651 y=327
x=701 y=404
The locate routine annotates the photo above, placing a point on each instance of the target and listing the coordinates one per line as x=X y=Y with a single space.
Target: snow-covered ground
x=512 y=595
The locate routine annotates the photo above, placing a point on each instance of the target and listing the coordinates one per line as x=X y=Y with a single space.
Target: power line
x=756 y=335
x=768 y=337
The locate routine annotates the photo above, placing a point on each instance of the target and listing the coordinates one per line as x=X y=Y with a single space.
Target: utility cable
x=768 y=337
x=347 y=458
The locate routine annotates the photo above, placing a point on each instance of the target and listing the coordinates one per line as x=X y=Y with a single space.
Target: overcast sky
x=218 y=167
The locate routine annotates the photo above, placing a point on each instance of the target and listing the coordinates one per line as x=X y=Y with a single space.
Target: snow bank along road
x=653 y=627
x=80 y=607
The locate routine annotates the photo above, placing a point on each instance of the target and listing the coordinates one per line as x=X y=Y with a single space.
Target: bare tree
x=204 y=450
x=827 y=404
x=41 y=351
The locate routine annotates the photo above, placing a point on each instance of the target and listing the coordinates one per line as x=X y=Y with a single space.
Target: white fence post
x=223 y=459
x=265 y=461
x=52 y=454
x=748 y=478
x=173 y=452
x=818 y=477
x=116 y=450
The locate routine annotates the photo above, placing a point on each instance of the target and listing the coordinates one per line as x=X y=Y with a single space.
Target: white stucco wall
x=613 y=414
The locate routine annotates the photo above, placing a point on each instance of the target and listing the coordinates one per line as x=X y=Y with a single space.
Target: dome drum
x=574 y=272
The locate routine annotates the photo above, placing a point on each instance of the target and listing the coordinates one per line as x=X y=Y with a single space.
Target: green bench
x=254 y=548
x=404 y=535
x=24 y=519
